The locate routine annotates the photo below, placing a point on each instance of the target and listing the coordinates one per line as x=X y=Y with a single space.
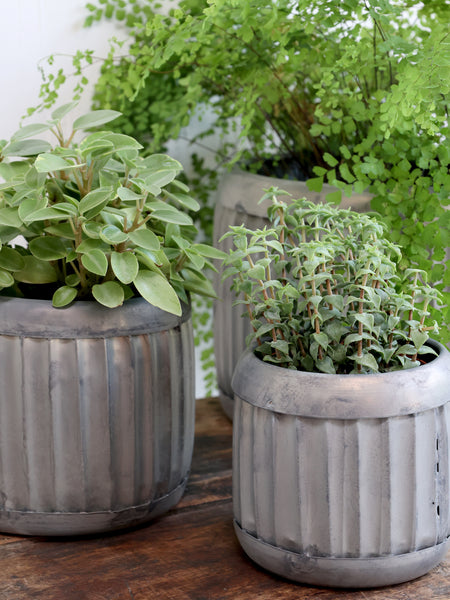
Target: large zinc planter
x=342 y=480
x=237 y=203
x=96 y=415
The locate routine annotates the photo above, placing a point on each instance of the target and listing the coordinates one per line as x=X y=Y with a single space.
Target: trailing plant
x=324 y=292
x=97 y=220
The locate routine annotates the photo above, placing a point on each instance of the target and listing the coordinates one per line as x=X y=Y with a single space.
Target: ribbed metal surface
x=347 y=488
x=337 y=488
x=237 y=204
x=96 y=425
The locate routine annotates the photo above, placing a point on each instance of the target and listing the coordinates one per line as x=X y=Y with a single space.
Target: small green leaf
x=11 y=260
x=315 y=184
x=46 y=163
x=334 y=197
x=209 y=251
x=127 y=195
x=26 y=148
x=171 y=216
x=30 y=131
x=95 y=199
x=109 y=294
x=95 y=118
x=145 y=238
x=113 y=235
x=36 y=271
x=63 y=110
x=6 y=279
x=64 y=296
x=125 y=266
x=96 y=262
x=48 y=248
x=157 y=291
x=10 y=217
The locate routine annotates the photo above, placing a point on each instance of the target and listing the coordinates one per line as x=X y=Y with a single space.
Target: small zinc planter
x=237 y=203
x=96 y=415
x=342 y=480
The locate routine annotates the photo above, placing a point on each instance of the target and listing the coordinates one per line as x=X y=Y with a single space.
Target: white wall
x=31 y=31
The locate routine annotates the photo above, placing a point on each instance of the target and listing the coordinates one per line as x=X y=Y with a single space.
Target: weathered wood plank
x=189 y=554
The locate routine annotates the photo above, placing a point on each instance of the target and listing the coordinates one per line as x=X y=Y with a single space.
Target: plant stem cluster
x=323 y=291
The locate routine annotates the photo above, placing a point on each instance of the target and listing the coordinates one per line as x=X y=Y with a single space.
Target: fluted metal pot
x=96 y=415
x=237 y=204
x=342 y=480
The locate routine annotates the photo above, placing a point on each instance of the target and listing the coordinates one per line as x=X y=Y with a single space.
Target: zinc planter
x=237 y=203
x=96 y=415
x=342 y=480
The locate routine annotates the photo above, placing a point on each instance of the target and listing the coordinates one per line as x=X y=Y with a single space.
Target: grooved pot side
x=355 y=498
x=237 y=204
x=96 y=431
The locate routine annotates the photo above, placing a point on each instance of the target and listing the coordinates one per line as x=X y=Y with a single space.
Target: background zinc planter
x=342 y=480
x=96 y=415
x=237 y=203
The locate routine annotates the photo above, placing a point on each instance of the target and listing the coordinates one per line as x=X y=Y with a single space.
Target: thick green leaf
x=11 y=260
x=63 y=110
x=184 y=200
x=10 y=217
x=64 y=296
x=157 y=291
x=94 y=199
x=26 y=148
x=63 y=230
x=171 y=216
x=48 y=248
x=6 y=279
x=29 y=131
x=31 y=205
x=45 y=214
x=90 y=244
x=145 y=238
x=95 y=118
x=209 y=251
x=92 y=230
x=36 y=271
x=113 y=235
x=109 y=294
x=95 y=261
x=46 y=163
x=125 y=266
x=127 y=195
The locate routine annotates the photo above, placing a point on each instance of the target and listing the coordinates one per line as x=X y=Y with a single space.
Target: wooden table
x=191 y=553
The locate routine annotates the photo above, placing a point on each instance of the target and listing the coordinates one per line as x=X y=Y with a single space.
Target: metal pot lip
x=322 y=395
x=29 y=317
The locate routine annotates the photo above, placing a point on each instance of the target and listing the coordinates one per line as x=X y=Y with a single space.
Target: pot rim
x=352 y=396
x=29 y=317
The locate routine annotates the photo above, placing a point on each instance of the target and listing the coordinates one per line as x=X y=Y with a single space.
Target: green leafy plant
x=324 y=292
x=97 y=220
x=352 y=93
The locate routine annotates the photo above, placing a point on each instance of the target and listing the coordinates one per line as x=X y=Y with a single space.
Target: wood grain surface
x=191 y=553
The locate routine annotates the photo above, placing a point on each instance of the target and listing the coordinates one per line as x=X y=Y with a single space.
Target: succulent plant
x=324 y=292
x=96 y=220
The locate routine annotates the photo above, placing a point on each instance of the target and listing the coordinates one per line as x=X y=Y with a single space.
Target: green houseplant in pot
x=351 y=97
x=97 y=260
x=341 y=422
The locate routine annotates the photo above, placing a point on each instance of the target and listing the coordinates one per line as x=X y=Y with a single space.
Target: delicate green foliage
x=324 y=292
x=354 y=94
x=99 y=220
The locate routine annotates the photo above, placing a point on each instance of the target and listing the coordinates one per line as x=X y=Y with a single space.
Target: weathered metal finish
x=237 y=204
x=96 y=415
x=359 y=498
